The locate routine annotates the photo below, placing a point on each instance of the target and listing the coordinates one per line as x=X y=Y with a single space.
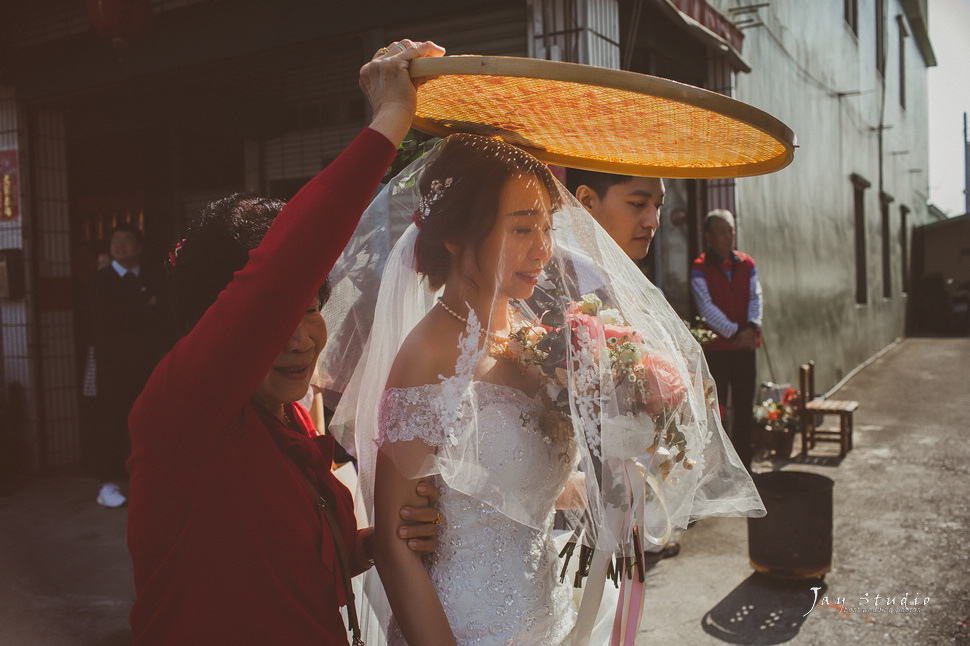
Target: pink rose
x=665 y=390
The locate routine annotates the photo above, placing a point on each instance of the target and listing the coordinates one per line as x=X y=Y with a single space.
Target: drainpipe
x=966 y=167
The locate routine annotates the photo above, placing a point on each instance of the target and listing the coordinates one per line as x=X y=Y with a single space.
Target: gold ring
x=382 y=51
x=437 y=518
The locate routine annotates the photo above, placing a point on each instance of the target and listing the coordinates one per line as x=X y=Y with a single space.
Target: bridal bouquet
x=609 y=358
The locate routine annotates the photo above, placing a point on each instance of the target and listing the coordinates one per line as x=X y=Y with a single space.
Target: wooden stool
x=812 y=408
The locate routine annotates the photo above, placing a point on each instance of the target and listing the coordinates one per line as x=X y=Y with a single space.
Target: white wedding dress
x=497 y=579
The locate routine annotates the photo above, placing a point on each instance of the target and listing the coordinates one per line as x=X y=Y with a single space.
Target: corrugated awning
x=709 y=26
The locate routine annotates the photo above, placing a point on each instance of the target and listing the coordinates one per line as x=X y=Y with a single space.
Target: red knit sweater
x=227 y=543
x=731 y=296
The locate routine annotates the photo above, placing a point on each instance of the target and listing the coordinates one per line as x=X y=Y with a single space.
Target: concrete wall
x=811 y=71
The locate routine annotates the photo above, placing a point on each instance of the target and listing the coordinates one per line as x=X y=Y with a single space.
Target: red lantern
x=120 y=21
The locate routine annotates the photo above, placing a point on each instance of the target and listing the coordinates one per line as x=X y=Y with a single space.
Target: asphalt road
x=901 y=502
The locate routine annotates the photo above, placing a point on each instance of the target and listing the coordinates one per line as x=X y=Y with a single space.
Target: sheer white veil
x=619 y=369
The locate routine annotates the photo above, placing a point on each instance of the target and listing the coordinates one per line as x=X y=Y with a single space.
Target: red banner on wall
x=9 y=192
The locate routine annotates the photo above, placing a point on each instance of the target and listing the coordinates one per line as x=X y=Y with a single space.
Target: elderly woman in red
x=232 y=495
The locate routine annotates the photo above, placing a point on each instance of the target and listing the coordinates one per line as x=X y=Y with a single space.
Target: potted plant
x=780 y=422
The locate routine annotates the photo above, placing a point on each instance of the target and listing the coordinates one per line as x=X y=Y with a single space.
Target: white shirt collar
x=121 y=271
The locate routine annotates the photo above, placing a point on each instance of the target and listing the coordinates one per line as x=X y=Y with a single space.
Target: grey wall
x=813 y=73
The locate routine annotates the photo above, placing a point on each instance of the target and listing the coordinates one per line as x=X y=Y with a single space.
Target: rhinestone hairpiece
x=427 y=201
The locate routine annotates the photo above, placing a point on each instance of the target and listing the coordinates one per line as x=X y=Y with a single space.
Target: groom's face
x=629 y=211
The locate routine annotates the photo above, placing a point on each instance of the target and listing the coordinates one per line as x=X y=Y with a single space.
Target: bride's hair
x=460 y=191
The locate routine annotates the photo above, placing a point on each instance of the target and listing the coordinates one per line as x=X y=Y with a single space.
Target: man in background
x=728 y=296
x=132 y=330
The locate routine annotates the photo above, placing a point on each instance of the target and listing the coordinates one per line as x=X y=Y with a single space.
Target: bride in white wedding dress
x=496 y=578
x=522 y=361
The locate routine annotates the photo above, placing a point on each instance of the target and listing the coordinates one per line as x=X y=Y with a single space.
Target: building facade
x=832 y=232
x=143 y=110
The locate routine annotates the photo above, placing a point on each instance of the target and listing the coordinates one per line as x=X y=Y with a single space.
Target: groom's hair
x=460 y=190
x=600 y=183
x=217 y=245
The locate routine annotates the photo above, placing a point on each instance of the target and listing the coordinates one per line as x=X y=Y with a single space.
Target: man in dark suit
x=132 y=330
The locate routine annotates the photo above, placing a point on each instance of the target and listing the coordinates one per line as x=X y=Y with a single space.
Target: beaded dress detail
x=497 y=579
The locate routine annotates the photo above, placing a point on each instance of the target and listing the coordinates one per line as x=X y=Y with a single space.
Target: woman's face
x=520 y=243
x=289 y=377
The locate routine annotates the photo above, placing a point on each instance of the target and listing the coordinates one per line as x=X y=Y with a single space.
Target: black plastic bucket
x=794 y=540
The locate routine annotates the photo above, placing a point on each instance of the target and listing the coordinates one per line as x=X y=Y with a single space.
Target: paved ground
x=901 y=521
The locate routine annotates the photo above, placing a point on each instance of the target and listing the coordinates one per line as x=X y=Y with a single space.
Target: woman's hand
x=421 y=528
x=574 y=495
x=389 y=88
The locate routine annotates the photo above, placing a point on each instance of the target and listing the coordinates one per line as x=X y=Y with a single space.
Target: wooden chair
x=813 y=408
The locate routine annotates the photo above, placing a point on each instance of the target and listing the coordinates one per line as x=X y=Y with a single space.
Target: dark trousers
x=736 y=368
x=118 y=388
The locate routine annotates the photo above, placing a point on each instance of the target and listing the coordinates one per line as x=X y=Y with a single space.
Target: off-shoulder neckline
x=476 y=383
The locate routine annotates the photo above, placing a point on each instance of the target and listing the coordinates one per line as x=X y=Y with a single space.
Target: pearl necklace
x=498 y=346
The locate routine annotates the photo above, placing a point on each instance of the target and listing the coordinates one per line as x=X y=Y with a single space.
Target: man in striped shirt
x=727 y=293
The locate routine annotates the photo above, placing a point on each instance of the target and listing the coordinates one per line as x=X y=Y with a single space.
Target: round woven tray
x=600 y=119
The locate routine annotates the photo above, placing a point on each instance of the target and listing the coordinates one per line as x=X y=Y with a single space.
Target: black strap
x=340 y=546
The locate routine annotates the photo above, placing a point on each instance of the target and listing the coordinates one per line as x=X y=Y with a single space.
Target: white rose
x=611 y=316
x=590 y=304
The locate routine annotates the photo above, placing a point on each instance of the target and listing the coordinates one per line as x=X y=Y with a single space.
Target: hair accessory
x=427 y=201
x=173 y=255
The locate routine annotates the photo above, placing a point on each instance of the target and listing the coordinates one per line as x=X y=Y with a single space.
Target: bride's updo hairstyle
x=460 y=191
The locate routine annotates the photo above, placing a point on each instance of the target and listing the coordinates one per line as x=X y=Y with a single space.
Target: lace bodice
x=497 y=578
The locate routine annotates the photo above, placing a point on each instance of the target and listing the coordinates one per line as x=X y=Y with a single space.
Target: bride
x=518 y=357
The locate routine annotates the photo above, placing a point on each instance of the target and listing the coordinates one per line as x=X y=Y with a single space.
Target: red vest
x=730 y=296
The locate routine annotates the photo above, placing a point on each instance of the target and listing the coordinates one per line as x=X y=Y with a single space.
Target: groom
x=628 y=208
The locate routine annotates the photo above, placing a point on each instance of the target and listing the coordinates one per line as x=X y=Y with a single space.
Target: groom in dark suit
x=132 y=330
